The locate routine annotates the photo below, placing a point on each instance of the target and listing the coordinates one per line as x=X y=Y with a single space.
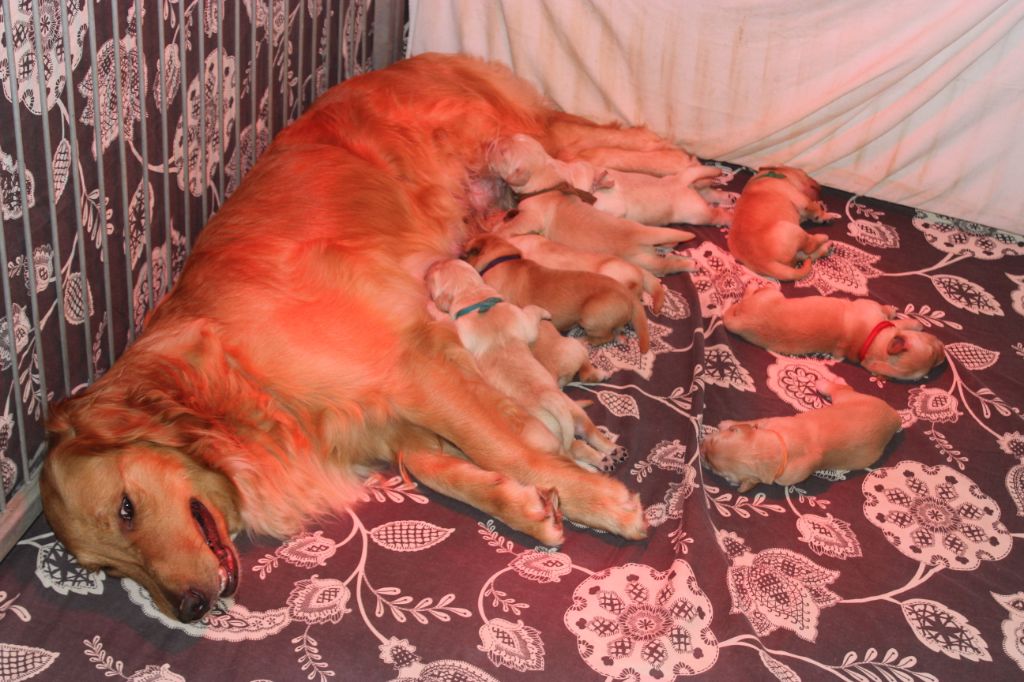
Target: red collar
x=884 y=324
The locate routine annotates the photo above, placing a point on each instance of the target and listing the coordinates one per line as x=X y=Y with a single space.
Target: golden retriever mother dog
x=296 y=349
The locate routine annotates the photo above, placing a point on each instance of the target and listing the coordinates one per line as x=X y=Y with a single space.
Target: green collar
x=771 y=174
x=483 y=306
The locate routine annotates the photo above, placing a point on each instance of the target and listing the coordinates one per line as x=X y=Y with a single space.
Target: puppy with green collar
x=766 y=235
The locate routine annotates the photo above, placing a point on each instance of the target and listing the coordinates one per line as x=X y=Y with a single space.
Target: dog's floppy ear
x=897 y=345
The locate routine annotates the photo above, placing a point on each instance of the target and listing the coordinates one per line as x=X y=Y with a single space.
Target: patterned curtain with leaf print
x=124 y=126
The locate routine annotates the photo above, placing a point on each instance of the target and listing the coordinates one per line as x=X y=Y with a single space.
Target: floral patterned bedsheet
x=909 y=571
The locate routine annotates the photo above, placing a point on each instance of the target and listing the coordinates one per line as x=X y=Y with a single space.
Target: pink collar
x=884 y=324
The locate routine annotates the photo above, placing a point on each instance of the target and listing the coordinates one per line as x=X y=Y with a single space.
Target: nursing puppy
x=499 y=334
x=649 y=199
x=849 y=434
x=599 y=304
x=860 y=330
x=766 y=235
x=568 y=220
x=561 y=257
x=564 y=358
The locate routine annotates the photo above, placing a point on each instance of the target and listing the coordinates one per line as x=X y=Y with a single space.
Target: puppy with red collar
x=598 y=304
x=849 y=434
x=860 y=330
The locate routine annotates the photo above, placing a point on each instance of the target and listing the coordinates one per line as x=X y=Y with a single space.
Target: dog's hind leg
x=526 y=508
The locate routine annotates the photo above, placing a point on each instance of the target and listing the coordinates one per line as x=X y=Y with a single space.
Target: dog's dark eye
x=127 y=510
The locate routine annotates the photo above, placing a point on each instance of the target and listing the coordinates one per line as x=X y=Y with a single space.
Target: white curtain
x=918 y=102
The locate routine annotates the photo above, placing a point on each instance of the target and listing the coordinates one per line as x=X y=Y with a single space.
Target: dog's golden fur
x=296 y=348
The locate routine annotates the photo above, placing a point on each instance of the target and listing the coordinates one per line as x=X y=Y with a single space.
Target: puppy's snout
x=193 y=606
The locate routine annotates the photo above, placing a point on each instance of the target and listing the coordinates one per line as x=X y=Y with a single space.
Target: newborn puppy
x=566 y=219
x=561 y=257
x=860 y=330
x=649 y=199
x=766 y=235
x=849 y=434
x=499 y=334
x=564 y=358
x=597 y=303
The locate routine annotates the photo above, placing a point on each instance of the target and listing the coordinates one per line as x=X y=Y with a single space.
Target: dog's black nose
x=193 y=606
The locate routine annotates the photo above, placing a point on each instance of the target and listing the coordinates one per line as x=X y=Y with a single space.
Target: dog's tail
x=654 y=288
x=639 y=321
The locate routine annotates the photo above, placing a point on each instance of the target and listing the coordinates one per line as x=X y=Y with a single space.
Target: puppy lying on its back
x=766 y=235
x=851 y=433
x=680 y=197
x=862 y=331
x=566 y=219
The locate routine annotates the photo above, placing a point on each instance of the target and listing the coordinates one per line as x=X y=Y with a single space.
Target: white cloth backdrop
x=918 y=102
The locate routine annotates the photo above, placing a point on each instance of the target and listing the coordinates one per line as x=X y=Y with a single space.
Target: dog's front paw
x=542 y=517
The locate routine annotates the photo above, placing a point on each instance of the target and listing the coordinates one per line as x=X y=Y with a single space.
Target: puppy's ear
x=897 y=345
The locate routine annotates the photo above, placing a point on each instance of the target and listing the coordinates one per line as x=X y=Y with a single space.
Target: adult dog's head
x=125 y=493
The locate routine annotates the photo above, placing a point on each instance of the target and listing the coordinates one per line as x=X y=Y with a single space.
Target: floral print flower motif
x=204 y=97
x=8 y=474
x=42 y=267
x=1012 y=444
x=318 y=600
x=399 y=653
x=875 y=234
x=308 y=550
x=109 y=105
x=795 y=381
x=1013 y=626
x=635 y=620
x=962 y=237
x=542 y=567
x=828 y=536
x=718 y=278
x=721 y=368
x=846 y=269
x=933 y=404
x=253 y=139
x=21 y=330
x=6 y=429
x=678 y=492
x=512 y=645
x=943 y=630
x=777 y=588
x=51 y=44
x=10 y=188
x=1015 y=486
x=152 y=673
x=446 y=670
x=967 y=295
x=935 y=515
